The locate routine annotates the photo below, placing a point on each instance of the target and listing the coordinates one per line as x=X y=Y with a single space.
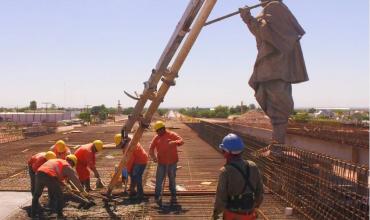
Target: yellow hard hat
x=117 y=139
x=50 y=155
x=158 y=125
x=98 y=145
x=61 y=146
x=73 y=158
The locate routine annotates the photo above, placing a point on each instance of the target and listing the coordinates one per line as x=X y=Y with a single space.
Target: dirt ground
x=197 y=176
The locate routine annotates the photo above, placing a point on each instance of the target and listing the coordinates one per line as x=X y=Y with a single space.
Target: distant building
x=324 y=113
x=41 y=117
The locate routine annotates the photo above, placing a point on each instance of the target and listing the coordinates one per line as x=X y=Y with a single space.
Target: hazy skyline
x=77 y=52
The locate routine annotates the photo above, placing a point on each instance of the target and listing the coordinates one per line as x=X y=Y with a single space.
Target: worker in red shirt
x=163 y=150
x=52 y=174
x=86 y=161
x=35 y=162
x=60 y=149
x=135 y=165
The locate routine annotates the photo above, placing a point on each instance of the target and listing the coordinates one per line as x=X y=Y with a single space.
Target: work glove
x=245 y=14
x=99 y=183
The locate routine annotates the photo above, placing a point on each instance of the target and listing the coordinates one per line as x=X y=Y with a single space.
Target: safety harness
x=244 y=202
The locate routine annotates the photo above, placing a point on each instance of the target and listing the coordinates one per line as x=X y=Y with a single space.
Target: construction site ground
x=197 y=175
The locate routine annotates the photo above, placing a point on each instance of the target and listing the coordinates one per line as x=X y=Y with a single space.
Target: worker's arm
x=259 y=188
x=221 y=195
x=175 y=139
x=152 y=148
x=71 y=175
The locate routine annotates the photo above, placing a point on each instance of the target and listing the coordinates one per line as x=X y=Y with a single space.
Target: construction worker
x=279 y=62
x=240 y=187
x=60 y=149
x=163 y=150
x=86 y=160
x=35 y=162
x=135 y=165
x=52 y=174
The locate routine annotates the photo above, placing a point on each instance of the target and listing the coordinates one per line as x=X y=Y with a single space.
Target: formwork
x=316 y=185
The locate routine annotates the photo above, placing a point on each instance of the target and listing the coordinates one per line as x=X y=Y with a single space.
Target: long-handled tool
x=234 y=13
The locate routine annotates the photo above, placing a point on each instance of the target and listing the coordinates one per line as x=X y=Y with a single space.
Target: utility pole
x=46 y=109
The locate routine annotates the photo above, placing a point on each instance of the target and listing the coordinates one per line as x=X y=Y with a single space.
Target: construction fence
x=315 y=185
x=11 y=135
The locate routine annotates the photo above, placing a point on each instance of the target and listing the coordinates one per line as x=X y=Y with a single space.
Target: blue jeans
x=161 y=172
x=137 y=178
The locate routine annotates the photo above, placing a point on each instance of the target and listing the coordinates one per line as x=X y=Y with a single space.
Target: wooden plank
x=179 y=60
x=166 y=57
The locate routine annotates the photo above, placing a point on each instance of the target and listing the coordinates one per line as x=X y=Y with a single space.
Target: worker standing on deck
x=240 y=187
x=35 y=162
x=135 y=165
x=163 y=150
x=60 y=149
x=86 y=160
x=279 y=62
x=52 y=174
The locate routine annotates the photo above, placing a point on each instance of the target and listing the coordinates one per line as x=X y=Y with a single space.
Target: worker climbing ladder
x=199 y=9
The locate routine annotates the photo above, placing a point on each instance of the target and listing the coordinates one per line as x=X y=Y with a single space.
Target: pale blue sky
x=78 y=52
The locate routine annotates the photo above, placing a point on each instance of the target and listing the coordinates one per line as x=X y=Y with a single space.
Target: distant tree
x=221 y=111
x=311 y=110
x=33 y=105
x=85 y=116
x=128 y=111
x=53 y=106
x=100 y=111
x=252 y=106
x=162 y=111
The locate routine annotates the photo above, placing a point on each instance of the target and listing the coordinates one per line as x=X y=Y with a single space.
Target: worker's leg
x=161 y=169
x=40 y=182
x=137 y=174
x=55 y=189
x=132 y=185
x=172 y=179
x=32 y=178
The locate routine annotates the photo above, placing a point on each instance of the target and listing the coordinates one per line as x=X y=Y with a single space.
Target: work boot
x=86 y=185
x=173 y=200
x=60 y=215
x=158 y=200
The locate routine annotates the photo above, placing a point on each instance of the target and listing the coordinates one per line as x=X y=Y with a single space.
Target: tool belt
x=244 y=202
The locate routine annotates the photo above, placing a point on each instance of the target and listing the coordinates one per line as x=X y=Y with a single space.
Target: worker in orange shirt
x=60 y=149
x=135 y=165
x=35 y=162
x=52 y=174
x=86 y=160
x=163 y=150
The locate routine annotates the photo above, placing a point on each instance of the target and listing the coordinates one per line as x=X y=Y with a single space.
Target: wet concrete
x=12 y=202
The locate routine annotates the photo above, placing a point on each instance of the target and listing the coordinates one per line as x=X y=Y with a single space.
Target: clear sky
x=78 y=52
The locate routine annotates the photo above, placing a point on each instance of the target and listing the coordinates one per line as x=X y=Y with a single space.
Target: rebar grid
x=316 y=185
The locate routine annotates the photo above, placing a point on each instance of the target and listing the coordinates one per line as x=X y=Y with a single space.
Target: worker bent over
x=86 y=160
x=35 y=162
x=60 y=149
x=163 y=150
x=135 y=165
x=52 y=174
x=240 y=187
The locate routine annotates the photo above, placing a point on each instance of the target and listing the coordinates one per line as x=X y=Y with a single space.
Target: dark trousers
x=54 y=190
x=32 y=177
x=137 y=178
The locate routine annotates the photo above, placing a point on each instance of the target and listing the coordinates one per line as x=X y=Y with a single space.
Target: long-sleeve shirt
x=138 y=156
x=231 y=183
x=166 y=152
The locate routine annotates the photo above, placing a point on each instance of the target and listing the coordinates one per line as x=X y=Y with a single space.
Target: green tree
x=85 y=116
x=311 y=110
x=33 y=105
